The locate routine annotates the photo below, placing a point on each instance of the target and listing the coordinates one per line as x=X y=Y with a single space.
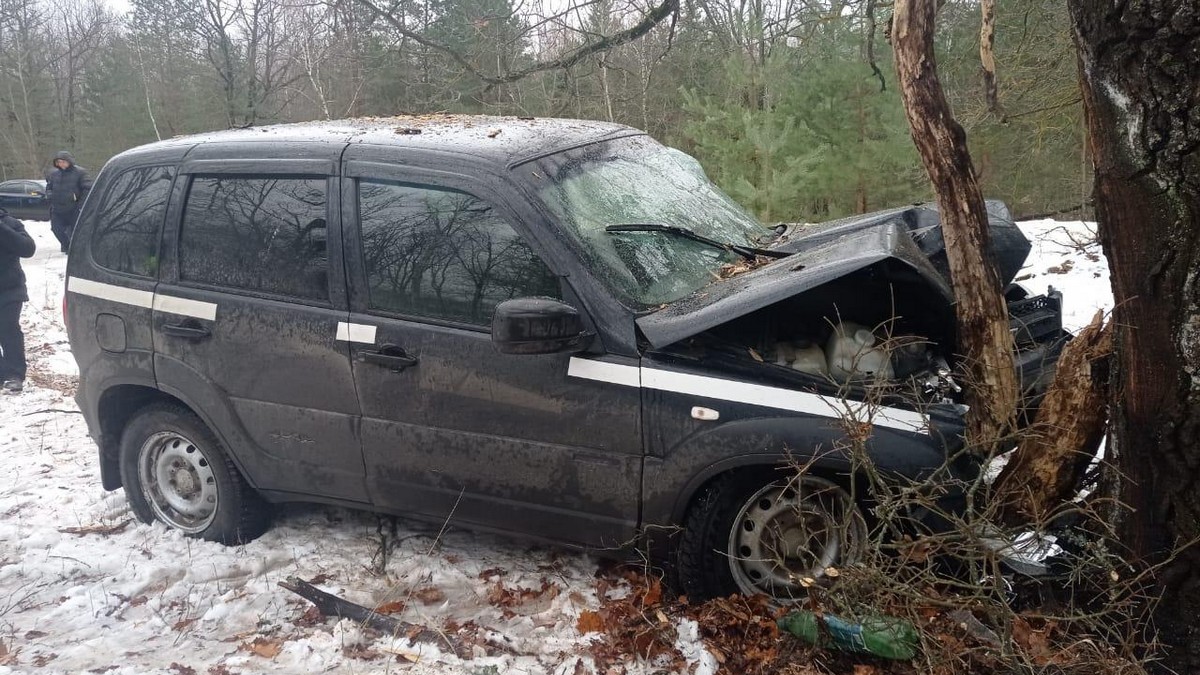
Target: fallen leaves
x=393 y=607
x=631 y=622
x=1035 y=640
x=311 y=617
x=430 y=595
x=502 y=596
x=740 y=632
x=733 y=269
x=589 y=622
x=267 y=648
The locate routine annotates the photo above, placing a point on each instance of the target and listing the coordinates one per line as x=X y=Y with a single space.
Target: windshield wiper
x=747 y=252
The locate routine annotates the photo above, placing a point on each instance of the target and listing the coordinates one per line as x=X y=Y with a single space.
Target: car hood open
x=907 y=242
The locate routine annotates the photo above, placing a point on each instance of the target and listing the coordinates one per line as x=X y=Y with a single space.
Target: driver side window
x=443 y=254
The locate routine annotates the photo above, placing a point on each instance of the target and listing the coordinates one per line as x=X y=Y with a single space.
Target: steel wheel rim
x=178 y=482
x=789 y=532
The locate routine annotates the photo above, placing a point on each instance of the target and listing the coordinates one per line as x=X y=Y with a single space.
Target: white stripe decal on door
x=146 y=299
x=745 y=392
x=121 y=294
x=603 y=371
x=185 y=307
x=356 y=332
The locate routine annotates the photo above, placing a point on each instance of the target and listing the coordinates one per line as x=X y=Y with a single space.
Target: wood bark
x=1140 y=70
x=987 y=54
x=1046 y=469
x=984 y=339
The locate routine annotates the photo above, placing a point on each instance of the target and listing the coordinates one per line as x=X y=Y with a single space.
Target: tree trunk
x=1045 y=470
x=983 y=333
x=987 y=55
x=1140 y=71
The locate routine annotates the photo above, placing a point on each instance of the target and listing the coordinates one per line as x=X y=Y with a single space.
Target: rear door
x=453 y=429
x=246 y=320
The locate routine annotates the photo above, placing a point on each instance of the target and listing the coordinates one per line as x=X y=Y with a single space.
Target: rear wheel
x=175 y=471
x=750 y=535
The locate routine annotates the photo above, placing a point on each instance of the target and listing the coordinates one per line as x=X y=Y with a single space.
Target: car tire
x=175 y=471
x=755 y=533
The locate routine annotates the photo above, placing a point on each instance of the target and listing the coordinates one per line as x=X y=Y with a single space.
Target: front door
x=246 y=320
x=453 y=429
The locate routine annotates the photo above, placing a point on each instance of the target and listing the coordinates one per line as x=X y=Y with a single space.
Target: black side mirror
x=538 y=326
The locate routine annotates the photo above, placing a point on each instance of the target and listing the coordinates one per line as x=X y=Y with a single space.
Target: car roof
x=23 y=182
x=503 y=140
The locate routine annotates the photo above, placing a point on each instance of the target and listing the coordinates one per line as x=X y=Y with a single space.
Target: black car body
x=432 y=317
x=25 y=199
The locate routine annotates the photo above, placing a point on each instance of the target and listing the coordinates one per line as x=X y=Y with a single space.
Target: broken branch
x=331 y=605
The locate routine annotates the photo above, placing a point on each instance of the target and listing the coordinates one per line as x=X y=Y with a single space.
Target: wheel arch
x=116 y=406
x=768 y=467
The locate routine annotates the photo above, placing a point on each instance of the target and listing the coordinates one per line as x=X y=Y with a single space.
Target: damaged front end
x=860 y=309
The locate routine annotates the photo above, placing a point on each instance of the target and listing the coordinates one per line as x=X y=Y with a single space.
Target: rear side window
x=443 y=254
x=257 y=234
x=130 y=218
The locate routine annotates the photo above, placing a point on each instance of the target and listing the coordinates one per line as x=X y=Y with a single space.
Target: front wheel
x=750 y=535
x=175 y=471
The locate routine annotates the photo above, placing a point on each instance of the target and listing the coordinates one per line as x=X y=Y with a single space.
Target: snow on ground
x=84 y=587
x=1065 y=256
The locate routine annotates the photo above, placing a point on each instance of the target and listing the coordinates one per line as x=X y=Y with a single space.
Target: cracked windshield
x=636 y=180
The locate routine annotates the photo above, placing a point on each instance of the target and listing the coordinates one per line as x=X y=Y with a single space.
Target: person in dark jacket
x=15 y=244
x=66 y=186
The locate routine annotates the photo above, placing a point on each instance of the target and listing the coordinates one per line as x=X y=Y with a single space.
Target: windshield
x=637 y=180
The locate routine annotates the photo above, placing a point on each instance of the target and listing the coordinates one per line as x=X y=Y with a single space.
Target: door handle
x=389 y=356
x=188 y=330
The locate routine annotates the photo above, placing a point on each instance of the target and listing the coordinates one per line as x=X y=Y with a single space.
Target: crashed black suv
x=548 y=327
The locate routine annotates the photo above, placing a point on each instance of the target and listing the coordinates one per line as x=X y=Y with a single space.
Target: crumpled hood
x=907 y=240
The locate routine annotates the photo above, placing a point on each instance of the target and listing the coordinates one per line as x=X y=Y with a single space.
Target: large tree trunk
x=1140 y=69
x=984 y=338
x=1044 y=472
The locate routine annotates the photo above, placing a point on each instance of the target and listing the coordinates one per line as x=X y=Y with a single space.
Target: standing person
x=15 y=244
x=66 y=185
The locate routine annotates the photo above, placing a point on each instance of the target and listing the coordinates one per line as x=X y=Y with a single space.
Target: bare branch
x=648 y=22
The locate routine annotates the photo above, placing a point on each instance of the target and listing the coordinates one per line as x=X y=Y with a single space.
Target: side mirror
x=538 y=326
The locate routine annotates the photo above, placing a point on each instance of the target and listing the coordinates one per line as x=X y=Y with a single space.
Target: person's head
x=63 y=159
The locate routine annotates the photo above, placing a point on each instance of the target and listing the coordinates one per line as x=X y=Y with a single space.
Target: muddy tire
x=175 y=471
x=753 y=533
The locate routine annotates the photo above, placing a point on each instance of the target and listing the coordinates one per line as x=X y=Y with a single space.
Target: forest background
x=790 y=105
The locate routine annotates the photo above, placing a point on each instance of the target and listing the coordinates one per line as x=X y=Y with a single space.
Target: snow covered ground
x=84 y=587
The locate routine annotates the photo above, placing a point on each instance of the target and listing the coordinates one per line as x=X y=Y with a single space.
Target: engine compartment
x=876 y=334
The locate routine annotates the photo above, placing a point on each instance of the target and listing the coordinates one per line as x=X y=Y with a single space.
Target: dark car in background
x=25 y=199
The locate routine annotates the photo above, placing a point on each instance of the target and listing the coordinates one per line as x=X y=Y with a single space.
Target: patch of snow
x=1081 y=275
x=691 y=646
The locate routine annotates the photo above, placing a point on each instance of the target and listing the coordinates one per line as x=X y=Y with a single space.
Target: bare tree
x=23 y=50
x=983 y=330
x=506 y=73
x=77 y=29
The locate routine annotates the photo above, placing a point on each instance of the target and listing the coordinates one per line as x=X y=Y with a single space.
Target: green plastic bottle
x=883 y=636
